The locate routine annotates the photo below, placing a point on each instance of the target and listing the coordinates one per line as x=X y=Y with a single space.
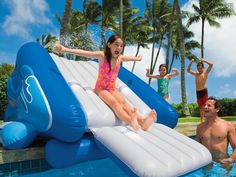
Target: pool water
x=106 y=168
x=216 y=170
x=96 y=168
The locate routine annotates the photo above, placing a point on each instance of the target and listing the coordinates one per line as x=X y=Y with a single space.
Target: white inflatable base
x=158 y=152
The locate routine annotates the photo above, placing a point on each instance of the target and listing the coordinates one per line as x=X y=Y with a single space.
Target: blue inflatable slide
x=53 y=97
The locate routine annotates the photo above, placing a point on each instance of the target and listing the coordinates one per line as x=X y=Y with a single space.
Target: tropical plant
x=209 y=11
x=110 y=17
x=77 y=33
x=157 y=13
x=65 y=21
x=91 y=13
x=5 y=72
x=189 y=44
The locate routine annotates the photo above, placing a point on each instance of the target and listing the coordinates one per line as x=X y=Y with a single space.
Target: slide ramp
x=161 y=151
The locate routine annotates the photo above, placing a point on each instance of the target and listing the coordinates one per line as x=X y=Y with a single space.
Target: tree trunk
x=103 y=28
x=182 y=53
x=121 y=18
x=135 y=61
x=158 y=52
x=169 y=40
x=202 y=40
x=65 y=21
x=153 y=47
x=172 y=62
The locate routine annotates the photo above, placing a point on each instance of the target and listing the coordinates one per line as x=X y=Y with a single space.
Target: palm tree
x=188 y=43
x=182 y=56
x=91 y=13
x=140 y=35
x=157 y=14
x=209 y=11
x=110 y=14
x=65 y=21
x=134 y=28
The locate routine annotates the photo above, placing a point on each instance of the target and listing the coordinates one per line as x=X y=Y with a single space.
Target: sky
x=24 y=21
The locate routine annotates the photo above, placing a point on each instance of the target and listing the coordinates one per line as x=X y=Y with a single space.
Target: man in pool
x=216 y=133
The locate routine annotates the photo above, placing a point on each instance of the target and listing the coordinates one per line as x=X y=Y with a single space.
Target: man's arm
x=197 y=138
x=210 y=64
x=232 y=140
x=189 y=68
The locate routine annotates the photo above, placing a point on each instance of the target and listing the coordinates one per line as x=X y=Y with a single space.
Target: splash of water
x=51 y=46
x=86 y=41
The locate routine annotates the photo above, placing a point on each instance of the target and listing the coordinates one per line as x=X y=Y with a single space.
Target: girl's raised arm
x=175 y=72
x=151 y=75
x=80 y=52
x=131 y=58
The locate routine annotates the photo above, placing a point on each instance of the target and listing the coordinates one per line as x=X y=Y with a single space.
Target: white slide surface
x=160 y=151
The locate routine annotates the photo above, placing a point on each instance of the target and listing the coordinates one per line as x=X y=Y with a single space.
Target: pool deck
x=36 y=150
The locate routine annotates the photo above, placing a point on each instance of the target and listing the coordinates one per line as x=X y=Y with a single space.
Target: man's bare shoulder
x=230 y=124
x=227 y=124
x=201 y=125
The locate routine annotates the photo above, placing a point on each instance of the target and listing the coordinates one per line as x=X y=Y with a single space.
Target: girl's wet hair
x=107 y=51
x=163 y=65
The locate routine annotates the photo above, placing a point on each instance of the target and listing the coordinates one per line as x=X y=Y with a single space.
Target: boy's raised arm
x=189 y=68
x=210 y=64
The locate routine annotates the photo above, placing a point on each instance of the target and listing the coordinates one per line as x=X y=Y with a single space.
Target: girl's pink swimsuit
x=107 y=77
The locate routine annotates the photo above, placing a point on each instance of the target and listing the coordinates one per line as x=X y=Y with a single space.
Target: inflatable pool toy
x=53 y=97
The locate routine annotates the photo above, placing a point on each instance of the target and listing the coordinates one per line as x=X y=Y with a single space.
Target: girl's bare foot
x=151 y=118
x=134 y=122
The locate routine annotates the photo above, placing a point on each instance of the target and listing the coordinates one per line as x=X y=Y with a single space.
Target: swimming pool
x=106 y=168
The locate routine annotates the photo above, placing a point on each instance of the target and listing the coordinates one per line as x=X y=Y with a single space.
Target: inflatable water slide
x=53 y=97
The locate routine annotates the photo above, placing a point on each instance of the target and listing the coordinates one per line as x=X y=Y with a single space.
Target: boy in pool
x=216 y=133
x=163 y=79
x=200 y=82
x=109 y=66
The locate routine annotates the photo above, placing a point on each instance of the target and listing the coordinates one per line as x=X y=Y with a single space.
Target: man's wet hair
x=217 y=103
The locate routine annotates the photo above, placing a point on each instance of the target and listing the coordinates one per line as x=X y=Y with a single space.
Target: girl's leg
x=112 y=102
x=126 y=106
x=144 y=123
x=119 y=97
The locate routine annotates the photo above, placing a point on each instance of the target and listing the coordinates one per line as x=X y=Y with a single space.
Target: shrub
x=5 y=72
x=228 y=108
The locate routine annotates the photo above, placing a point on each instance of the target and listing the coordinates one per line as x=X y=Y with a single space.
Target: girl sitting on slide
x=109 y=65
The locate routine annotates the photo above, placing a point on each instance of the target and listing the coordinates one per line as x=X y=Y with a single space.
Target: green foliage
x=228 y=108
x=5 y=72
x=193 y=109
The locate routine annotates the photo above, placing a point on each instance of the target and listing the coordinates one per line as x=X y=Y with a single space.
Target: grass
x=197 y=119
